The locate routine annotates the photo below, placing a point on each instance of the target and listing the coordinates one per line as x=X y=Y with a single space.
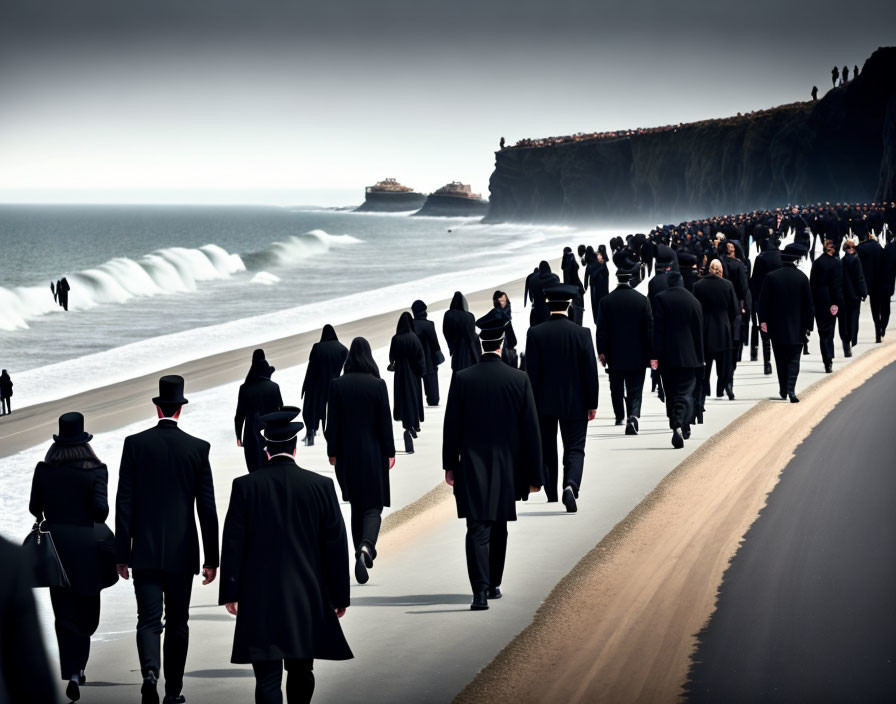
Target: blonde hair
x=716 y=264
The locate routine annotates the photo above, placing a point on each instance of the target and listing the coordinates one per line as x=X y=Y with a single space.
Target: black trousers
x=724 y=371
x=679 y=385
x=787 y=364
x=826 y=326
x=884 y=312
x=366 y=527
x=849 y=321
x=269 y=678
x=486 y=545
x=167 y=592
x=431 y=388
x=876 y=302
x=626 y=390
x=253 y=453
x=77 y=617
x=572 y=432
x=4 y=405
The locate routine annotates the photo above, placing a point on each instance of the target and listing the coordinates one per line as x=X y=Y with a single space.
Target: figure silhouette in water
x=62 y=289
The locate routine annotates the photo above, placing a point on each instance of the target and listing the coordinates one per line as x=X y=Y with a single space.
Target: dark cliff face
x=842 y=148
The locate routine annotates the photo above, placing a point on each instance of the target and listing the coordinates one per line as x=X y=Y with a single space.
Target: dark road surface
x=807 y=609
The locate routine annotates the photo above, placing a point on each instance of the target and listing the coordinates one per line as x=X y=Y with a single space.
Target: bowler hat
x=492 y=326
x=279 y=425
x=71 y=430
x=171 y=391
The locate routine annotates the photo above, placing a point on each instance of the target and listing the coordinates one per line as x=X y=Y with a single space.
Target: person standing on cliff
x=855 y=72
x=814 y=93
x=835 y=74
x=845 y=76
x=501 y=143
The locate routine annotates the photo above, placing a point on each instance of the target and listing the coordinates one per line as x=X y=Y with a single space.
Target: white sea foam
x=265 y=278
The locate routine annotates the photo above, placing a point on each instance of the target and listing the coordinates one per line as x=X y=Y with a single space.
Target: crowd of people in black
x=717 y=288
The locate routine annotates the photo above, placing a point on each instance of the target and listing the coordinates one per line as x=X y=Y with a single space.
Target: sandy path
x=622 y=625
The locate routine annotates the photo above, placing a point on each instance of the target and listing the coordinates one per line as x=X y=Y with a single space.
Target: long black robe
x=459 y=329
x=257 y=397
x=285 y=562
x=359 y=436
x=785 y=305
x=324 y=364
x=491 y=440
x=597 y=276
x=720 y=308
x=407 y=362
x=545 y=279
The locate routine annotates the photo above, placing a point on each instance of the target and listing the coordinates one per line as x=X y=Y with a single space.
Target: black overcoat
x=854 y=288
x=164 y=473
x=720 y=309
x=72 y=496
x=826 y=284
x=491 y=440
x=540 y=311
x=785 y=305
x=359 y=436
x=766 y=262
x=409 y=366
x=459 y=329
x=5 y=386
x=324 y=364
x=562 y=367
x=597 y=276
x=426 y=331
x=677 y=329
x=285 y=563
x=872 y=257
x=257 y=397
x=625 y=330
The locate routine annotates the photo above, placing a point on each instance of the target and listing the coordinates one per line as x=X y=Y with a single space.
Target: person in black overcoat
x=658 y=283
x=738 y=274
x=597 y=276
x=324 y=364
x=527 y=287
x=62 y=289
x=678 y=349
x=459 y=329
x=545 y=279
x=69 y=492
x=561 y=365
x=24 y=669
x=502 y=309
x=5 y=393
x=769 y=260
x=687 y=267
x=432 y=352
x=491 y=454
x=854 y=292
x=624 y=338
x=361 y=448
x=719 y=305
x=258 y=395
x=407 y=362
x=570 y=268
x=786 y=313
x=284 y=568
x=872 y=257
x=165 y=473
x=826 y=284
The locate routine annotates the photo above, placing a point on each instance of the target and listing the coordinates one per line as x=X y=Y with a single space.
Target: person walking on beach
x=407 y=362
x=678 y=349
x=5 y=393
x=459 y=329
x=501 y=307
x=69 y=495
x=544 y=279
x=258 y=396
x=786 y=313
x=624 y=338
x=284 y=572
x=324 y=364
x=769 y=260
x=432 y=352
x=872 y=257
x=597 y=276
x=561 y=365
x=570 y=268
x=361 y=448
x=164 y=473
x=720 y=306
x=854 y=292
x=826 y=284
x=491 y=454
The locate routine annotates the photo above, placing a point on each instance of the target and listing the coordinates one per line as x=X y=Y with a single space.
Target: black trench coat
x=459 y=329
x=406 y=360
x=324 y=364
x=359 y=436
x=720 y=309
x=285 y=562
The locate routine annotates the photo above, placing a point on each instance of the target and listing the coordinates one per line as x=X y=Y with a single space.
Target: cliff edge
x=840 y=148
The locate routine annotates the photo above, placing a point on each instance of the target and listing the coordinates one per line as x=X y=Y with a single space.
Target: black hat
x=794 y=251
x=258 y=355
x=623 y=277
x=71 y=430
x=558 y=297
x=492 y=326
x=279 y=425
x=418 y=306
x=665 y=255
x=687 y=260
x=171 y=391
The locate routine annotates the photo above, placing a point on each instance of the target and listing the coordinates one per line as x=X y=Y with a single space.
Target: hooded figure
x=5 y=393
x=258 y=395
x=527 y=289
x=324 y=364
x=62 y=289
x=597 y=276
x=545 y=279
x=407 y=362
x=432 y=352
x=360 y=445
x=502 y=310
x=458 y=327
x=570 y=268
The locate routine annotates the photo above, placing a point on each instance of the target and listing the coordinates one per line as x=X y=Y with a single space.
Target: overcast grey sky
x=105 y=100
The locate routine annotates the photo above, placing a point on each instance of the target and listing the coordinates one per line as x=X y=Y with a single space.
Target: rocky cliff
x=840 y=148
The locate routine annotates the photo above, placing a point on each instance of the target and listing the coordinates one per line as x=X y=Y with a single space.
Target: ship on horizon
x=454 y=199
x=390 y=196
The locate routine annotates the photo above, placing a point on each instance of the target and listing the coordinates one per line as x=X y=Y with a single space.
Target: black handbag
x=48 y=569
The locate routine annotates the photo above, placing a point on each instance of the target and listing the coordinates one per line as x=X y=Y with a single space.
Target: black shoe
x=569 y=500
x=677 y=439
x=805 y=349
x=82 y=678
x=699 y=418
x=782 y=394
x=309 y=440
x=360 y=568
x=495 y=593
x=408 y=443
x=847 y=350
x=73 y=691
x=631 y=427
x=619 y=421
x=149 y=692
x=171 y=699
x=793 y=398
x=661 y=394
x=367 y=554
x=730 y=392
x=754 y=354
x=767 y=369
x=480 y=601
x=828 y=368
x=686 y=432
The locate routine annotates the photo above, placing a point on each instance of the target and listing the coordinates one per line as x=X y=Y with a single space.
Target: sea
x=153 y=286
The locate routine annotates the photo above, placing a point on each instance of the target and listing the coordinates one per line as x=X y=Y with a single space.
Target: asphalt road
x=807 y=609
